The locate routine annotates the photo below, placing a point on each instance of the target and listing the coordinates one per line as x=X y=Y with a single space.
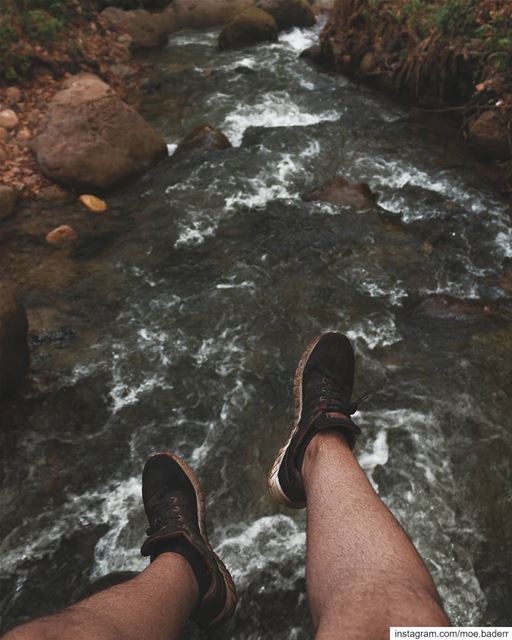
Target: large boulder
x=337 y=190
x=14 y=351
x=147 y=30
x=203 y=138
x=250 y=27
x=8 y=199
x=191 y=14
x=92 y=139
x=289 y=13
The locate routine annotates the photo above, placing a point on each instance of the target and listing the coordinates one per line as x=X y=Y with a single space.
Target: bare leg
x=156 y=604
x=363 y=573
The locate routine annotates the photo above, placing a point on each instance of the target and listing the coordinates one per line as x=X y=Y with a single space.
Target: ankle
x=320 y=446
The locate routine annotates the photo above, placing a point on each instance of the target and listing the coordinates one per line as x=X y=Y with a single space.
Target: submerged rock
x=147 y=30
x=250 y=27
x=8 y=199
x=289 y=13
x=14 y=351
x=92 y=139
x=506 y=278
x=337 y=190
x=444 y=307
x=203 y=138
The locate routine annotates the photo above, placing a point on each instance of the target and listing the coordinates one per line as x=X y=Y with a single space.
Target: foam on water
x=274 y=109
x=276 y=182
x=428 y=501
x=298 y=39
x=250 y=547
x=375 y=333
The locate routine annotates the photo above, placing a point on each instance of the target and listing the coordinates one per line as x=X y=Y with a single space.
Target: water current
x=188 y=319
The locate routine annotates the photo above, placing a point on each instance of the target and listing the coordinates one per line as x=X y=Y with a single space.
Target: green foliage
x=24 y=23
x=42 y=26
x=453 y=17
x=497 y=36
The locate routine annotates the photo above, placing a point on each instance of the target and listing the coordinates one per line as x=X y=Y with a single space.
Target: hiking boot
x=322 y=387
x=174 y=505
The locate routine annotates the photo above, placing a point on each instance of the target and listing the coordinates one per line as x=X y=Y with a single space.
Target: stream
x=185 y=324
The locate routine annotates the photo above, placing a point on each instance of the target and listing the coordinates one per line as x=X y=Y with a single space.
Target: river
x=182 y=327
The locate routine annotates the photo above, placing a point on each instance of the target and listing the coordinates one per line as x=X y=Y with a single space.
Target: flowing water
x=184 y=326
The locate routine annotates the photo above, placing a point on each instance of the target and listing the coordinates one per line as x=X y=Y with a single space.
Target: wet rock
x=289 y=13
x=313 y=54
x=92 y=139
x=489 y=136
x=445 y=307
x=147 y=30
x=8 y=119
x=339 y=191
x=54 y=193
x=93 y=203
x=61 y=236
x=250 y=27
x=190 y=14
x=14 y=351
x=203 y=138
x=8 y=199
x=12 y=96
x=122 y=71
x=368 y=63
x=3 y=155
x=3 y=134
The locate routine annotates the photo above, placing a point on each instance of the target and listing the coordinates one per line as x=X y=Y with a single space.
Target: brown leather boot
x=323 y=385
x=174 y=505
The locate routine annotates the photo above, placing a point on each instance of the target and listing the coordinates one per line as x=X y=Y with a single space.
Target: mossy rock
x=248 y=28
x=289 y=13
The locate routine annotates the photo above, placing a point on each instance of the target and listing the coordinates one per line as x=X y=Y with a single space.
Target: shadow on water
x=177 y=323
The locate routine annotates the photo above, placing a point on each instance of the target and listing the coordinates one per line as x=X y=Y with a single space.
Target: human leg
x=363 y=573
x=185 y=578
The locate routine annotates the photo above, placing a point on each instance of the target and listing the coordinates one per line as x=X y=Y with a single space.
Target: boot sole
x=231 y=597
x=274 y=486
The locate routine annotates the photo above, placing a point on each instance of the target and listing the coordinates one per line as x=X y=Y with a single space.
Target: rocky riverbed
x=174 y=317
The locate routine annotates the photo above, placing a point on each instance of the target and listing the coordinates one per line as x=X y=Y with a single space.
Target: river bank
x=450 y=58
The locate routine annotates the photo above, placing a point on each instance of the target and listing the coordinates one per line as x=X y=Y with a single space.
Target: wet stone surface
x=178 y=320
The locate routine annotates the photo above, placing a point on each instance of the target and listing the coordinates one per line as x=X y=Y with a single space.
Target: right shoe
x=174 y=505
x=323 y=385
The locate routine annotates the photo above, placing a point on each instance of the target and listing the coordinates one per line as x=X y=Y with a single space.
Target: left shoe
x=174 y=505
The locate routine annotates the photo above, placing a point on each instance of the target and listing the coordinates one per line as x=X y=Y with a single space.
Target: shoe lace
x=331 y=398
x=166 y=514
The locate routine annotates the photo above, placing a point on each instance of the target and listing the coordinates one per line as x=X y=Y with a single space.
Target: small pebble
x=93 y=203
x=8 y=119
x=13 y=95
x=61 y=235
